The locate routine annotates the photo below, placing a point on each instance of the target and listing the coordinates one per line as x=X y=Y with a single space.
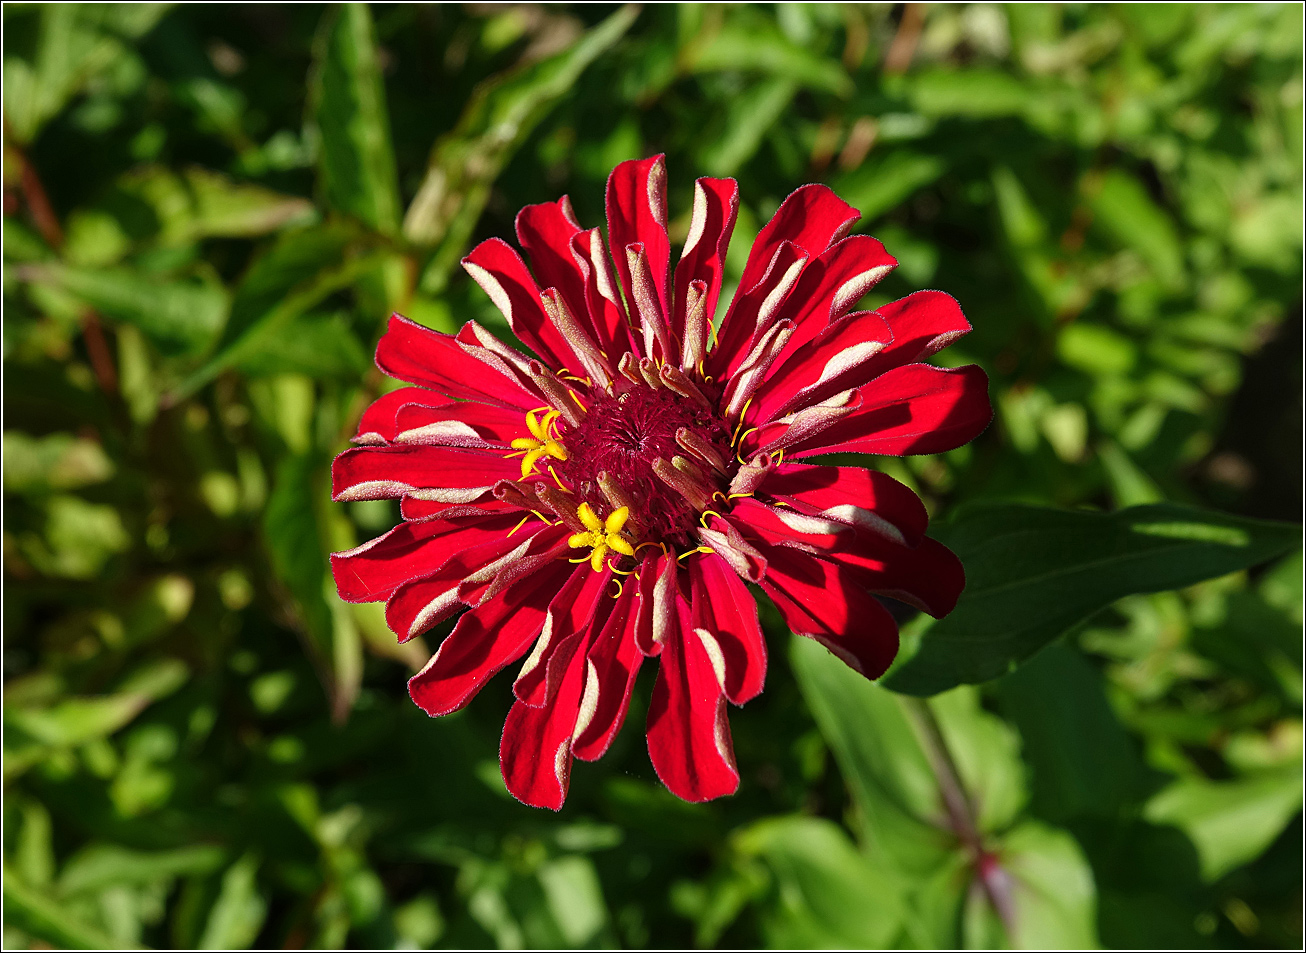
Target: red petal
x=417 y=605
x=377 y=425
x=637 y=213
x=755 y=308
x=853 y=495
x=418 y=355
x=570 y=611
x=916 y=408
x=822 y=601
x=724 y=615
x=535 y=751
x=545 y=232
x=926 y=575
x=922 y=324
x=659 y=591
x=411 y=508
x=688 y=734
x=716 y=205
x=464 y=424
x=499 y=270
x=485 y=639
x=614 y=661
x=607 y=312
x=833 y=283
x=812 y=217
x=839 y=358
x=371 y=572
x=443 y=474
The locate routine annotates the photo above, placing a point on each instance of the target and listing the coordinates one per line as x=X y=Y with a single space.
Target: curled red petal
x=712 y=221
x=535 y=750
x=922 y=324
x=855 y=496
x=372 y=571
x=823 y=601
x=840 y=357
x=494 y=634
x=688 y=734
x=462 y=424
x=916 y=408
x=637 y=214
x=723 y=613
x=443 y=474
x=571 y=610
x=409 y=352
x=613 y=663
x=499 y=270
x=545 y=232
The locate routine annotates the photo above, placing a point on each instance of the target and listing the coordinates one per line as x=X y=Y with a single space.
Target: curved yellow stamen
x=736 y=438
x=739 y=496
x=543 y=441
x=603 y=536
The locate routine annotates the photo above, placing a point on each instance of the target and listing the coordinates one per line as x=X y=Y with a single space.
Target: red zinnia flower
x=607 y=500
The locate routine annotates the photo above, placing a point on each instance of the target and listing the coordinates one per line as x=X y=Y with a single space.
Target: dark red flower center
x=613 y=453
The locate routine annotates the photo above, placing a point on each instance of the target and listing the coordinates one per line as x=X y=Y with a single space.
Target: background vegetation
x=210 y=211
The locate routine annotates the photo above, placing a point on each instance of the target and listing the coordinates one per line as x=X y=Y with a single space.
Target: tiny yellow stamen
x=520 y=524
x=543 y=441
x=739 y=496
x=736 y=438
x=601 y=535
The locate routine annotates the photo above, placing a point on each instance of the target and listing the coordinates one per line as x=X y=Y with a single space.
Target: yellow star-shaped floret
x=542 y=444
x=602 y=535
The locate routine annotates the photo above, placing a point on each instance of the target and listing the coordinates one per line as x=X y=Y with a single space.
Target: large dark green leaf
x=1081 y=759
x=355 y=159
x=1033 y=573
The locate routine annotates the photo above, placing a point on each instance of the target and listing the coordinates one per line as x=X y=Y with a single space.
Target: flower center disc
x=622 y=436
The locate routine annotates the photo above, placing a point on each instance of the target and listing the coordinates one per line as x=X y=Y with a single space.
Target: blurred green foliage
x=208 y=213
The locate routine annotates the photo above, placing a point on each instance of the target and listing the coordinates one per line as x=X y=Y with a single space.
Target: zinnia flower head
x=607 y=500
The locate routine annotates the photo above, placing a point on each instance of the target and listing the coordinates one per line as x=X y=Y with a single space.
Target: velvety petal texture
x=619 y=494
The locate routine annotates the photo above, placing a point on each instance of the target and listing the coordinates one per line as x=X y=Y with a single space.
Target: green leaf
x=48 y=919
x=970 y=94
x=71 y=50
x=880 y=756
x=180 y=317
x=299 y=530
x=760 y=47
x=1230 y=822
x=319 y=345
x=202 y=204
x=827 y=893
x=356 y=159
x=1054 y=898
x=1033 y=573
x=98 y=866
x=1082 y=760
x=575 y=898
x=238 y=913
x=57 y=461
x=262 y=331
x=749 y=117
x=1122 y=206
x=501 y=114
